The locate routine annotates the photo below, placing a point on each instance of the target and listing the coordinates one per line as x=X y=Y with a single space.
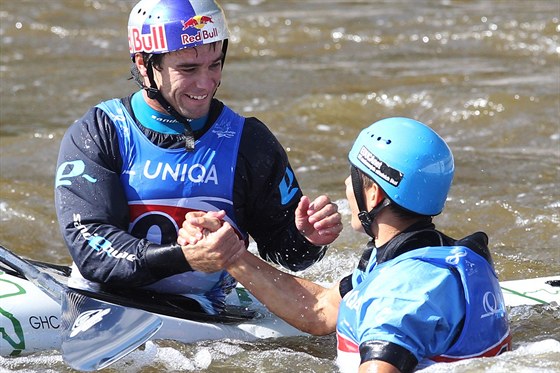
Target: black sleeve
x=261 y=208
x=93 y=212
x=389 y=352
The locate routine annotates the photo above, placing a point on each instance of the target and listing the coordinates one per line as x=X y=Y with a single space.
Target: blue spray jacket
x=437 y=303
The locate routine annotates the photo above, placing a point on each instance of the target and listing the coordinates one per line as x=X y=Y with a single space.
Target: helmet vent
x=381 y=139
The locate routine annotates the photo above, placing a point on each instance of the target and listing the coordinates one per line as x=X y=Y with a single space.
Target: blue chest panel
x=485 y=330
x=162 y=185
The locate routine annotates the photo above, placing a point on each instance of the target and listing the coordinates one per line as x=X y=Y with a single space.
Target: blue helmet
x=162 y=26
x=408 y=160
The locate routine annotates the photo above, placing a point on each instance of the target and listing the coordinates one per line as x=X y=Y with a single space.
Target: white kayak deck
x=533 y=291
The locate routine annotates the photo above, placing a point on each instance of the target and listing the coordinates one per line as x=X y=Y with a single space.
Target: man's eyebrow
x=195 y=64
x=188 y=64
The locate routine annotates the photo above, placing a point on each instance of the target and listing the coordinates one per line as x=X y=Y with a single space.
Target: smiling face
x=188 y=79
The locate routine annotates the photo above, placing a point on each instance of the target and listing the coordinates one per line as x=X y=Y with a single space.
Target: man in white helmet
x=131 y=168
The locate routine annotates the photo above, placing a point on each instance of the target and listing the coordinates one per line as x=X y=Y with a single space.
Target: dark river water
x=485 y=74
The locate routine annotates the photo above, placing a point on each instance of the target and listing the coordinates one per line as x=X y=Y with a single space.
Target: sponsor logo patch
x=88 y=319
x=380 y=168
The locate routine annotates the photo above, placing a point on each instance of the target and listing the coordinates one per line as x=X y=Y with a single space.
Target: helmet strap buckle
x=152 y=92
x=366 y=218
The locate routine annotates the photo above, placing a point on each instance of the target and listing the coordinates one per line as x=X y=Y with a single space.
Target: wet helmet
x=408 y=160
x=162 y=26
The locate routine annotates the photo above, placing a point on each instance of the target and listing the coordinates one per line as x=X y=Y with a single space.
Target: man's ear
x=374 y=196
x=140 y=64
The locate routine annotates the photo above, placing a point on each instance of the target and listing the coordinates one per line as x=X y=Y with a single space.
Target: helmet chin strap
x=366 y=218
x=155 y=94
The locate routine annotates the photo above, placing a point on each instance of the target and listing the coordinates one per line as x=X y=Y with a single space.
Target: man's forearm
x=302 y=303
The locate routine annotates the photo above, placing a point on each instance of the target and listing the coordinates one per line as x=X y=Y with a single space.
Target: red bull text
x=199 y=36
x=198 y=23
x=155 y=41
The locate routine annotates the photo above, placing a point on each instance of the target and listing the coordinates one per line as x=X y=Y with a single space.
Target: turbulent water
x=485 y=74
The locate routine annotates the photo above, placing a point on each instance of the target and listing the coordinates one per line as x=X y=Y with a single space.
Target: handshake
x=210 y=243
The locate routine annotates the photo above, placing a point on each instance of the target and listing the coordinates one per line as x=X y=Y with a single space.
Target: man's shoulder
x=95 y=124
x=97 y=118
x=412 y=273
x=258 y=144
x=259 y=136
x=254 y=130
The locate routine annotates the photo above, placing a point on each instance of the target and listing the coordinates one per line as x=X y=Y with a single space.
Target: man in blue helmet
x=417 y=296
x=131 y=168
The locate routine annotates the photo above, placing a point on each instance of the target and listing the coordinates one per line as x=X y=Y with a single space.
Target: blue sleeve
x=414 y=304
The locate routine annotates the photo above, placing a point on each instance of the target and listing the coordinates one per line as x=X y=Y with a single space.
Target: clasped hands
x=210 y=243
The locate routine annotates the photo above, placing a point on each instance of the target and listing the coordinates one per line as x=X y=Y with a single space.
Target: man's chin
x=195 y=111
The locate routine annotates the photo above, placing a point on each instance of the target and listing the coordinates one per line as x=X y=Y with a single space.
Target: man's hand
x=318 y=221
x=195 y=224
x=209 y=244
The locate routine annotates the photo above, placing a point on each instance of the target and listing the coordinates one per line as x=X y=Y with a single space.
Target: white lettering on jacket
x=99 y=243
x=196 y=173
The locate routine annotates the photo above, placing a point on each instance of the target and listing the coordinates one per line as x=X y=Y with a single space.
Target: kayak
x=534 y=291
x=32 y=321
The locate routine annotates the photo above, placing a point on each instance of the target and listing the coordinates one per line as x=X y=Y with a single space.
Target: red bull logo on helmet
x=155 y=41
x=198 y=23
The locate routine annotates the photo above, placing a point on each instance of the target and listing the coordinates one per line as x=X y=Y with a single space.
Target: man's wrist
x=236 y=259
x=165 y=261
